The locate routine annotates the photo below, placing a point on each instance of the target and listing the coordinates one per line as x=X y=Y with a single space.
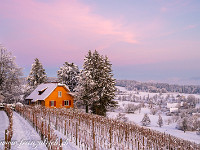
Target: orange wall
x=59 y=100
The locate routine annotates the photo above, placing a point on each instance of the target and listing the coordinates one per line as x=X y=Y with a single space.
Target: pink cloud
x=190 y=26
x=65 y=16
x=64 y=26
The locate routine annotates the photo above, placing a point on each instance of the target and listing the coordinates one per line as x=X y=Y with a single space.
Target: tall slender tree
x=10 y=74
x=68 y=74
x=37 y=74
x=98 y=83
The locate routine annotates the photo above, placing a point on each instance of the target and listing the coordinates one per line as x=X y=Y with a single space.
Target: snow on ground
x=3 y=126
x=169 y=129
x=67 y=144
x=24 y=135
x=123 y=89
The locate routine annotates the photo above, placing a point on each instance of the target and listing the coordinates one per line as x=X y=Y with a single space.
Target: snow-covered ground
x=169 y=129
x=3 y=126
x=67 y=144
x=137 y=116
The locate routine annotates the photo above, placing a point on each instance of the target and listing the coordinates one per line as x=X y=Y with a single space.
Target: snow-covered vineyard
x=72 y=129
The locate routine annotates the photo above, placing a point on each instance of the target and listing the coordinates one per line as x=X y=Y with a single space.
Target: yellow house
x=51 y=95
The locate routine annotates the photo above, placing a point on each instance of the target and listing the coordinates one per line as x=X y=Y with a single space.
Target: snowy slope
x=169 y=129
x=3 y=126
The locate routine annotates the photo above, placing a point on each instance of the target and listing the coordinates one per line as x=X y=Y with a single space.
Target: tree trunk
x=86 y=108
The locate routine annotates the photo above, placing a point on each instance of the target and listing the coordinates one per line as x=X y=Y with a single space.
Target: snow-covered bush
x=121 y=117
x=175 y=118
x=168 y=121
x=154 y=110
x=198 y=131
x=130 y=108
x=146 y=120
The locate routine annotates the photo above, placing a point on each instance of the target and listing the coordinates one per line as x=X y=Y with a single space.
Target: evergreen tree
x=37 y=74
x=84 y=91
x=146 y=120
x=68 y=74
x=160 y=121
x=10 y=74
x=99 y=84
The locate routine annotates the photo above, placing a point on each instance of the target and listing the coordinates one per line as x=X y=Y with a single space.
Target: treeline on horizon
x=158 y=87
x=146 y=86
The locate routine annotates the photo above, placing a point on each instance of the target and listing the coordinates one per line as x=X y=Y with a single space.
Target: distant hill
x=158 y=87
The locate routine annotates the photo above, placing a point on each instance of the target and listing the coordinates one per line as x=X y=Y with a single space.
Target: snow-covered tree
x=84 y=93
x=10 y=74
x=160 y=121
x=146 y=120
x=96 y=82
x=37 y=74
x=191 y=99
x=182 y=124
x=68 y=74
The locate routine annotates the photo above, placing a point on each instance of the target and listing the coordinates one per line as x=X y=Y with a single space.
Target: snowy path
x=23 y=132
x=3 y=126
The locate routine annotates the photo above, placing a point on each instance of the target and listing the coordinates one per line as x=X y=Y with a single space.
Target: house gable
x=59 y=101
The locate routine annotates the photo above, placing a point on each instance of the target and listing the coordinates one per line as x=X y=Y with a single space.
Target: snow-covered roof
x=43 y=91
x=172 y=105
x=173 y=110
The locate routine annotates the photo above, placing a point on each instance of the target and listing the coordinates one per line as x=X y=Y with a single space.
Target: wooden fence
x=9 y=131
x=99 y=133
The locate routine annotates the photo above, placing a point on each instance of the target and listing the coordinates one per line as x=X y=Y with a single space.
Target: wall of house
x=59 y=100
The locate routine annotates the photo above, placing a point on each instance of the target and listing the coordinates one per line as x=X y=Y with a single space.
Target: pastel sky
x=148 y=40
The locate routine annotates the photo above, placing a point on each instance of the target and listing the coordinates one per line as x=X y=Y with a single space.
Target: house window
x=66 y=103
x=59 y=93
x=52 y=103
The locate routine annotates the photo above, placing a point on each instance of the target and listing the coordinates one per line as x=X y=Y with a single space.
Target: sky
x=148 y=40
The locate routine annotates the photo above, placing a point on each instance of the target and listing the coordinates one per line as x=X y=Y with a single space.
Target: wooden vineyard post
x=6 y=139
x=169 y=142
x=49 y=118
x=42 y=136
x=138 y=145
x=93 y=133
x=143 y=142
x=48 y=136
x=56 y=121
x=65 y=127
x=60 y=144
x=110 y=132
x=76 y=133
x=33 y=119
x=36 y=124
